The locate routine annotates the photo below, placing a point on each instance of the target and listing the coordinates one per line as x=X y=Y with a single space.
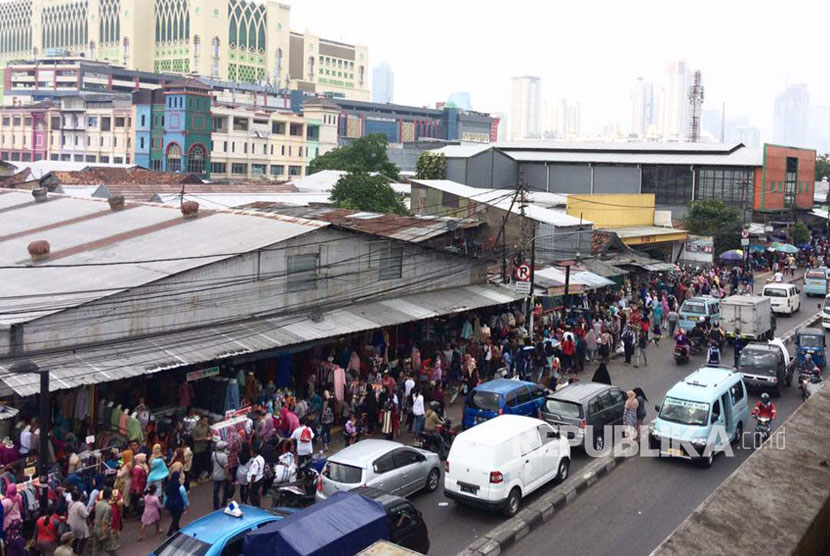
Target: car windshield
x=182 y=545
x=564 y=409
x=693 y=308
x=685 y=412
x=816 y=275
x=342 y=473
x=757 y=361
x=488 y=401
x=775 y=292
x=811 y=341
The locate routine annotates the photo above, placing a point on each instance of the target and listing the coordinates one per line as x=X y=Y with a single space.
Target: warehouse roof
x=325 y=180
x=502 y=198
x=96 y=252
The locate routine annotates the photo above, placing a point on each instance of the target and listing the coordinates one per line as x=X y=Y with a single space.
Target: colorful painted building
x=786 y=179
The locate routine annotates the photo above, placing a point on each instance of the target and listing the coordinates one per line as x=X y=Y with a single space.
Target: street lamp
x=30 y=367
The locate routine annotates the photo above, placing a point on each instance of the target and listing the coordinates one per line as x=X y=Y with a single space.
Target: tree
x=800 y=233
x=713 y=217
x=367 y=154
x=822 y=166
x=361 y=191
x=431 y=166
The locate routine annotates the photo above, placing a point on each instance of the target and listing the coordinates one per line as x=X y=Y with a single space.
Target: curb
x=787 y=338
x=497 y=540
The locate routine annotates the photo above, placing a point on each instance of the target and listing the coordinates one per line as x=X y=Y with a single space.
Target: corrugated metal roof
x=638 y=231
x=243 y=200
x=613 y=146
x=551 y=276
x=741 y=157
x=150 y=355
x=40 y=168
x=86 y=231
x=501 y=199
x=325 y=180
x=463 y=150
x=405 y=228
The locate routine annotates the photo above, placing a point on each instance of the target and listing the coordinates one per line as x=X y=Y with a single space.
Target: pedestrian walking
x=629 y=339
x=641 y=409
x=256 y=474
x=591 y=344
x=242 y=475
x=642 y=344
x=152 y=512
x=303 y=438
x=103 y=539
x=220 y=474
x=418 y=410
x=77 y=520
x=65 y=548
x=175 y=500
x=630 y=415
x=672 y=318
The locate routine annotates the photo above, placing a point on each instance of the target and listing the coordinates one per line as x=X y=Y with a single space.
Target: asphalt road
x=637 y=506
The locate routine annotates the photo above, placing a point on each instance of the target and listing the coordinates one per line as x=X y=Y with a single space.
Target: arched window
x=311 y=68
x=174 y=158
x=197 y=45
x=126 y=51
x=196 y=159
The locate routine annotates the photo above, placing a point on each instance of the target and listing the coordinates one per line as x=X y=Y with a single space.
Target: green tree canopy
x=367 y=154
x=713 y=217
x=822 y=166
x=800 y=233
x=361 y=191
x=431 y=166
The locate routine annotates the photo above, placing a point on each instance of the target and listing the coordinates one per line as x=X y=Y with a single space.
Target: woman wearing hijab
x=175 y=500
x=12 y=509
x=158 y=469
x=139 y=480
x=630 y=414
x=125 y=476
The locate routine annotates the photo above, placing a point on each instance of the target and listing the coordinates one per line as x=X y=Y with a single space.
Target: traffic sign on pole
x=523 y=273
x=745 y=233
x=522 y=286
x=744 y=241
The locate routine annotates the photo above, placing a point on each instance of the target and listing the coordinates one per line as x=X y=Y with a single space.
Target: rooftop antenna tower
x=695 y=107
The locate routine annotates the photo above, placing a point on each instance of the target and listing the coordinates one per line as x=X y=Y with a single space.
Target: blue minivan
x=696 y=309
x=701 y=415
x=815 y=281
x=497 y=397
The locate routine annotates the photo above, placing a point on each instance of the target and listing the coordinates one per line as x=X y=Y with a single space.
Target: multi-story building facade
x=245 y=41
x=525 y=108
x=791 y=117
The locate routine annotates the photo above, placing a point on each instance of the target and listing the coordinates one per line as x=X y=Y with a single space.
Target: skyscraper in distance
x=383 y=83
x=525 y=108
x=791 y=116
x=675 y=105
x=460 y=99
x=641 y=107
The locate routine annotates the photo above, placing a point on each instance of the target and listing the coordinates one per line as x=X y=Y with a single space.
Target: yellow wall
x=622 y=210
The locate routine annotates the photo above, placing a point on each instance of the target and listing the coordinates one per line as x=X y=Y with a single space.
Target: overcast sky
x=586 y=50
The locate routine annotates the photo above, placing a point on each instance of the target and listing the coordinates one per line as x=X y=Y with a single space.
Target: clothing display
x=232 y=395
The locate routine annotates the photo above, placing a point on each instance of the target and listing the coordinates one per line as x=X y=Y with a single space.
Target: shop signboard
x=202 y=373
x=242 y=411
x=698 y=250
x=30 y=471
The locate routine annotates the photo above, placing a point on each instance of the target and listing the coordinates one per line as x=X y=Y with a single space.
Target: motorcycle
x=808 y=382
x=681 y=355
x=763 y=428
x=427 y=441
x=696 y=346
x=300 y=492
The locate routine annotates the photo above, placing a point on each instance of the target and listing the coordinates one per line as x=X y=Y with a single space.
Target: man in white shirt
x=256 y=472
x=408 y=385
x=779 y=277
x=303 y=438
x=27 y=437
x=418 y=411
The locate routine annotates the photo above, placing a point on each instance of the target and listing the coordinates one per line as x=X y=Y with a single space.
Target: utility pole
x=524 y=226
x=29 y=367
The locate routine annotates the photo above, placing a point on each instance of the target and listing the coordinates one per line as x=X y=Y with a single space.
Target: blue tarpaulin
x=342 y=525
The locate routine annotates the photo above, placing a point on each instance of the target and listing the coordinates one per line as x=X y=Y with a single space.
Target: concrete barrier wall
x=776 y=502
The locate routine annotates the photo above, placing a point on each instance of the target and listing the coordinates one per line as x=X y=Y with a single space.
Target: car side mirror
x=657 y=408
x=553 y=434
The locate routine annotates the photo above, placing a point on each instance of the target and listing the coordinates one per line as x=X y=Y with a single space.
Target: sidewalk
x=201 y=496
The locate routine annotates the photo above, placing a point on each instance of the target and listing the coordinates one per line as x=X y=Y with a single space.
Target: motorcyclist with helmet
x=765 y=408
x=681 y=340
x=717 y=334
x=431 y=423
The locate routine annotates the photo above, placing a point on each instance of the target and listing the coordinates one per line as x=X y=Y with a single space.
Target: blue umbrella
x=756 y=248
x=806 y=247
x=786 y=248
x=732 y=255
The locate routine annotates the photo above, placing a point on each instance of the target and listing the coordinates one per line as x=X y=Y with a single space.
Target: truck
x=751 y=315
x=343 y=524
x=767 y=366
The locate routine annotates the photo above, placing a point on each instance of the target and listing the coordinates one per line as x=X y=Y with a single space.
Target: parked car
x=217 y=533
x=700 y=415
x=784 y=298
x=815 y=281
x=585 y=406
x=497 y=463
x=382 y=464
x=502 y=396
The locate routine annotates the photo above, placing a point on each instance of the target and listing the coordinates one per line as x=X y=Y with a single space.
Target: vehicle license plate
x=471 y=489
x=675 y=452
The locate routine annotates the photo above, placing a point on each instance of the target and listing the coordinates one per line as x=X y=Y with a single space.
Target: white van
x=784 y=298
x=494 y=464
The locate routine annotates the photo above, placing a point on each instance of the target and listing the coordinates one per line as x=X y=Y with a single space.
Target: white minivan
x=783 y=297
x=494 y=464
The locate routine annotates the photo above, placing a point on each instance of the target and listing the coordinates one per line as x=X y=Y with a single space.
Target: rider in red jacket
x=765 y=408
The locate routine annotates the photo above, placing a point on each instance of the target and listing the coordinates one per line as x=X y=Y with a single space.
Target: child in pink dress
x=152 y=512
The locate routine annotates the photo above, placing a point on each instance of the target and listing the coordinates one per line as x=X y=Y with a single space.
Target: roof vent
x=116 y=202
x=190 y=209
x=39 y=194
x=39 y=250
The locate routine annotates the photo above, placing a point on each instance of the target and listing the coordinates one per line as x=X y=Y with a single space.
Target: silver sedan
x=382 y=464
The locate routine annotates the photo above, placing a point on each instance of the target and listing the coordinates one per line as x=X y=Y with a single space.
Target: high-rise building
x=561 y=119
x=525 y=108
x=246 y=41
x=791 y=116
x=383 y=83
x=674 y=104
x=820 y=128
x=460 y=99
x=641 y=107
x=748 y=135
